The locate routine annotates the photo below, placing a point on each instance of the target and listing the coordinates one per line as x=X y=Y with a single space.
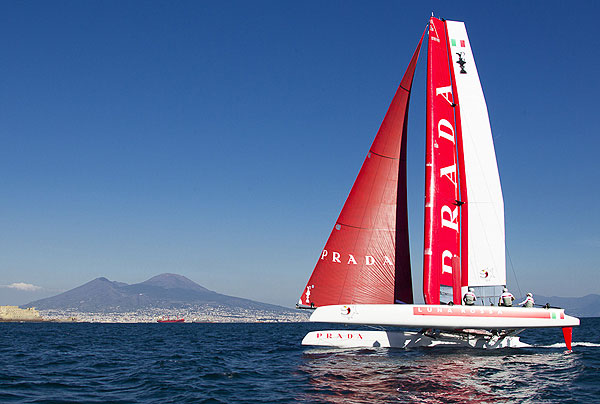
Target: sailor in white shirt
x=528 y=302
x=469 y=297
x=506 y=298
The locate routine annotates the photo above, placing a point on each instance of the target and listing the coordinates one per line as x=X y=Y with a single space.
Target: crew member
x=528 y=302
x=469 y=297
x=506 y=299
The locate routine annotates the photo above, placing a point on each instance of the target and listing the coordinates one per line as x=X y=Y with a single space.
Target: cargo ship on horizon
x=170 y=320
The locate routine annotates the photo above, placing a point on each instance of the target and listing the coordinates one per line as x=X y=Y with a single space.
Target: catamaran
x=363 y=274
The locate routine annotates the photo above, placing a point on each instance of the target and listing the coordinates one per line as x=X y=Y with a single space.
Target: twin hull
x=444 y=316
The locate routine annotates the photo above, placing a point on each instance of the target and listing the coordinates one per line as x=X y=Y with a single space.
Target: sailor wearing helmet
x=528 y=302
x=506 y=299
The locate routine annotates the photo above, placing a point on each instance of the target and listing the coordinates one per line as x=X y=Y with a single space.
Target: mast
x=366 y=259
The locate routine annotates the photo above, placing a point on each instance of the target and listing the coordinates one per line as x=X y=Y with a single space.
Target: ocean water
x=248 y=363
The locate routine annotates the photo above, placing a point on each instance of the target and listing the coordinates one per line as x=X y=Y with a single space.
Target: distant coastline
x=175 y=296
x=162 y=296
x=14 y=314
x=191 y=315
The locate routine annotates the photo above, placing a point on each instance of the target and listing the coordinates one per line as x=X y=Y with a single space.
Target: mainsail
x=442 y=197
x=366 y=259
x=464 y=209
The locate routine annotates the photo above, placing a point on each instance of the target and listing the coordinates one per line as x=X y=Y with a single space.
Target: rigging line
x=488 y=194
x=490 y=198
x=476 y=156
x=405 y=89
x=513 y=269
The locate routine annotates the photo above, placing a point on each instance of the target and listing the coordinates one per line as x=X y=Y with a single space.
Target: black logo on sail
x=461 y=62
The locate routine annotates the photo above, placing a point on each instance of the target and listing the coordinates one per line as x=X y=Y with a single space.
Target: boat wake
x=514 y=345
x=563 y=345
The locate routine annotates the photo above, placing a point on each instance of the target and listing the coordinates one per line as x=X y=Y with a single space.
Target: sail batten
x=366 y=258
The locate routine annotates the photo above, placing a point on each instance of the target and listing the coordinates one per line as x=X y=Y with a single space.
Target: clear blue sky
x=219 y=140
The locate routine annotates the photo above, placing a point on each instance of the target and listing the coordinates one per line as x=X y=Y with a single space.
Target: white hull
x=444 y=317
x=400 y=339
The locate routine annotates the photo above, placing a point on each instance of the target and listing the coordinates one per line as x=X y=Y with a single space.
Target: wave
x=563 y=345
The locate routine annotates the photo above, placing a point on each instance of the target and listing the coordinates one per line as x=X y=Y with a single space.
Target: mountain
x=586 y=306
x=174 y=291
x=162 y=291
x=174 y=281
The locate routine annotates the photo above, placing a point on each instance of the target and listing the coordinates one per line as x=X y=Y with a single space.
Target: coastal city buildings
x=14 y=313
x=192 y=313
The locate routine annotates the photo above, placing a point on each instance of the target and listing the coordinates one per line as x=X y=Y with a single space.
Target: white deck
x=443 y=316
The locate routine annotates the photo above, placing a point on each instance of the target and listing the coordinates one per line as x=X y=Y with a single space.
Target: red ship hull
x=179 y=320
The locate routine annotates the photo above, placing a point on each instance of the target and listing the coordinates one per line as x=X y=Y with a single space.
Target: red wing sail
x=442 y=212
x=366 y=258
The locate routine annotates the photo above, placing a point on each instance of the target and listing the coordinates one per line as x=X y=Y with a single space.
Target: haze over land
x=172 y=292
x=165 y=295
x=161 y=291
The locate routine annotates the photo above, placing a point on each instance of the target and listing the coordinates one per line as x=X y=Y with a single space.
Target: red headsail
x=366 y=258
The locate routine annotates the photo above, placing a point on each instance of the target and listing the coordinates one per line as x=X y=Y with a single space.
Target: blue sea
x=265 y=363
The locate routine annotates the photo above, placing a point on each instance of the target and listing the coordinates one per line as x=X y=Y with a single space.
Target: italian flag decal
x=460 y=42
